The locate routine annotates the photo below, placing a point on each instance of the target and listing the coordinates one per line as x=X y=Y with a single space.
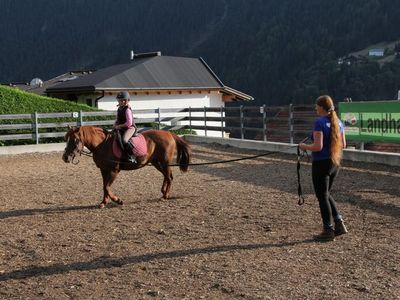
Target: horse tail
x=183 y=153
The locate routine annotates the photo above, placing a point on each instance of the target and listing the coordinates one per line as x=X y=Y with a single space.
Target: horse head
x=74 y=144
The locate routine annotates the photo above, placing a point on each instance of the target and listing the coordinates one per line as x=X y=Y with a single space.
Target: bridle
x=77 y=149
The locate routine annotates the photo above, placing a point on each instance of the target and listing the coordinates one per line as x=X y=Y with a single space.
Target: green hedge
x=14 y=101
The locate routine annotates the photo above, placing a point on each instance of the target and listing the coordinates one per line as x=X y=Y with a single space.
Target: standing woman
x=328 y=142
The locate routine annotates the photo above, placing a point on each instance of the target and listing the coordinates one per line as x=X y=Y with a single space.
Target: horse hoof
x=102 y=205
x=118 y=201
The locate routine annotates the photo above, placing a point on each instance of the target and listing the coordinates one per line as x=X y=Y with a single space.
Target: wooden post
x=36 y=126
x=241 y=123
x=222 y=122
x=159 y=118
x=264 y=122
x=205 y=121
x=80 y=119
x=190 y=119
x=291 y=133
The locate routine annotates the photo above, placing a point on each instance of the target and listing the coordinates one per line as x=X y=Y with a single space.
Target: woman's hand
x=316 y=145
x=303 y=146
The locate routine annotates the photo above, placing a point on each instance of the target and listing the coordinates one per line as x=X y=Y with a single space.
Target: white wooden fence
x=282 y=124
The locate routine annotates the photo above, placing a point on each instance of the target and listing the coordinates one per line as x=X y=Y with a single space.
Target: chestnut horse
x=161 y=147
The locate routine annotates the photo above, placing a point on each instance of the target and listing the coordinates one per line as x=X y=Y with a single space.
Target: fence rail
x=287 y=124
x=38 y=126
x=251 y=122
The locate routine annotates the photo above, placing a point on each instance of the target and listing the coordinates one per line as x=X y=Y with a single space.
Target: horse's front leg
x=108 y=179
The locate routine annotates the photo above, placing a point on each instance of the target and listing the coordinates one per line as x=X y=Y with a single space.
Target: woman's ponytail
x=336 y=139
x=336 y=136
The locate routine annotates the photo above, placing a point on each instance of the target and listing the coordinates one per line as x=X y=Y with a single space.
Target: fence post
x=190 y=119
x=205 y=121
x=241 y=123
x=222 y=122
x=159 y=118
x=80 y=119
x=36 y=126
x=291 y=123
x=264 y=122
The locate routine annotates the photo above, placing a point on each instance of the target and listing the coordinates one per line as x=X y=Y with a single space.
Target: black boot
x=340 y=228
x=129 y=153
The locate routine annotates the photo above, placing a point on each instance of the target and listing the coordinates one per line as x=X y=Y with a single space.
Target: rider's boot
x=129 y=153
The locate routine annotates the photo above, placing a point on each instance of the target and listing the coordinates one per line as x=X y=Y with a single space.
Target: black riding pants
x=324 y=173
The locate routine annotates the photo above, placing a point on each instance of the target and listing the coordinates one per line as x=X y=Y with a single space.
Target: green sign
x=371 y=121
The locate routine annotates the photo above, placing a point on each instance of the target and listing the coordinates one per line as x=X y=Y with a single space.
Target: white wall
x=174 y=100
x=153 y=101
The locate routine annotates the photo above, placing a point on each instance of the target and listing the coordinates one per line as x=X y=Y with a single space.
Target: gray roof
x=157 y=72
x=148 y=71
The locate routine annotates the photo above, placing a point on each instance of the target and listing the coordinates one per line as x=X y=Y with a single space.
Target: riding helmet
x=124 y=95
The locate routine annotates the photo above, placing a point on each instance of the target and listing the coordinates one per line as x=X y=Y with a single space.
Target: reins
x=229 y=160
x=89 y=154
x=300 y=154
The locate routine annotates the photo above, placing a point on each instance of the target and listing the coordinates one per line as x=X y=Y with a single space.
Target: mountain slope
x=280 y=51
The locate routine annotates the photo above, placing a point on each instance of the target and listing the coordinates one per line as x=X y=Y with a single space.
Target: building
x=376 y=52
x=153 y=81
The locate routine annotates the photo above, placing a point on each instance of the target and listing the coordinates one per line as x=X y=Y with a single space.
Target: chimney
x=144 y=55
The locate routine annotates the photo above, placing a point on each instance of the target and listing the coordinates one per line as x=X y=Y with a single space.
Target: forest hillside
x=279 y=51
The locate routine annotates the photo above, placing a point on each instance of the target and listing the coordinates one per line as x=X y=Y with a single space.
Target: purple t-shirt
x=324 y=124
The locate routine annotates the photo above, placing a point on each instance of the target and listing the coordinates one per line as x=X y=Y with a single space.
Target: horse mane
x=90 y=133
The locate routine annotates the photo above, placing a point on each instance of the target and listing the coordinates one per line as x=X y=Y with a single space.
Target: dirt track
x=231 y=231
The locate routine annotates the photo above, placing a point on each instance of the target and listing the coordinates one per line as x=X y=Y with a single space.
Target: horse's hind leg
x=167 y=182
x=108 y=179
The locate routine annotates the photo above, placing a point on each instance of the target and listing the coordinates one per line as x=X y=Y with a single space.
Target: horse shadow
x=105 y=262
x=64 y=209
x=174 y=198
x=44 y=211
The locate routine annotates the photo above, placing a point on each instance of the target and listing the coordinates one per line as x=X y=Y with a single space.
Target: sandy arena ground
x=230 y=231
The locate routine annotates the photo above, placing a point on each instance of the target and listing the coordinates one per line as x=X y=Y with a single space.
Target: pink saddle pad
x=139 y=149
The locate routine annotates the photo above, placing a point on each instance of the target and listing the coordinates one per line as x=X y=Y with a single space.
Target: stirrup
x=131 y=159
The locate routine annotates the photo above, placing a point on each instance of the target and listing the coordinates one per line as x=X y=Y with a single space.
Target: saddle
x=138 y=143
